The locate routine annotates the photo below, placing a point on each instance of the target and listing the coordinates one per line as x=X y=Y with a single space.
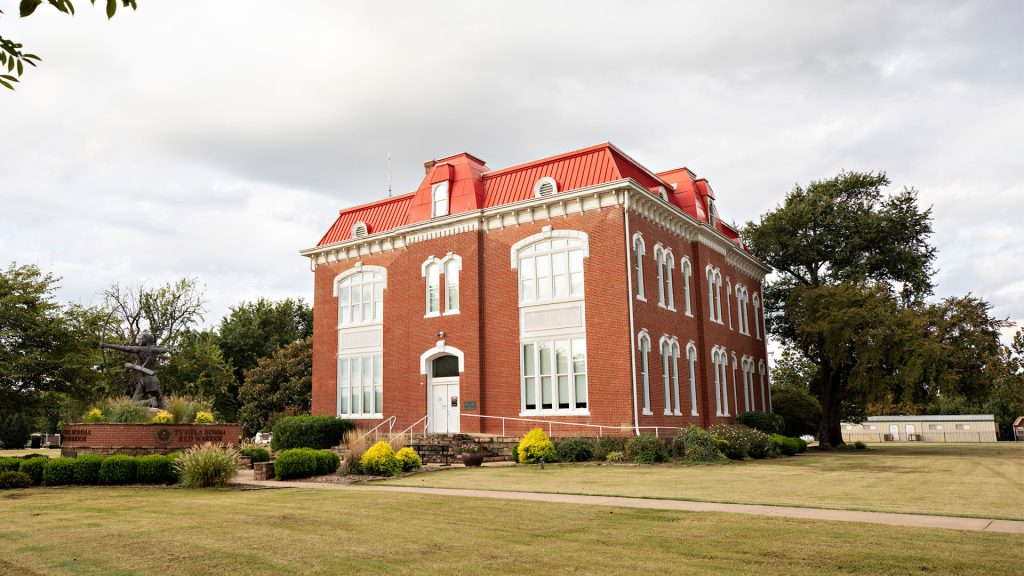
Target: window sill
x=677 y=413
x=432 y=315
x=362 y=416
x=641 y=298
x=668 y=413
x=527 y=413
x=450 y=312
x=694 y=413
x=647 y=412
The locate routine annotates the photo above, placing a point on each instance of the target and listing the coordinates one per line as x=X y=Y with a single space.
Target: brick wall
x=143 y=438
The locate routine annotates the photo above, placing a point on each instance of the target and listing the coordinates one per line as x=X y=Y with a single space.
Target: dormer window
x=439 y=199
x=546 y=186
x=662 y=193
x=359 y=230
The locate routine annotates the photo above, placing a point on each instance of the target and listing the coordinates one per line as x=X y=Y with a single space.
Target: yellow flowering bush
x=536 y=445
x=204 y=417
x=380 y=460
x=163 y=417
x=94 y=415
x=409 y=459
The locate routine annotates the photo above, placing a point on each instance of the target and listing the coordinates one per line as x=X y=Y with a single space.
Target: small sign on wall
x=455 y=401
x=469 y=405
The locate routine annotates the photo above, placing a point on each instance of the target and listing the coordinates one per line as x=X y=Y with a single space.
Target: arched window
x=359 y=229
x=668 y=262
x=670 y=374
x=639 y=249
x=720 y=360
x=439 y=199
x=757 y=315
x=714 y=293
x=452 y=266
x=431 y=270
x=748 y=384
x=761 y=371
x=718 y=294
x=659 y=265
x=691 y=360
x=687 y=271
x=728 y=300
x=742 y=316
x=644 y=346
x=735 y=394
x=554 y=354
x=360 y=379
x=710 y=271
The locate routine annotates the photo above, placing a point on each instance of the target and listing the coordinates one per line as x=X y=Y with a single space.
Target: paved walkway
x=889 y=518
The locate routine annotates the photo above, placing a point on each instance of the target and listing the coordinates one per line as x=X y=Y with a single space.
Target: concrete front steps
x=445 y=448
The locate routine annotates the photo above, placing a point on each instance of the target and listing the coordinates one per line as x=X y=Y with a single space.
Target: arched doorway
x=443 y=395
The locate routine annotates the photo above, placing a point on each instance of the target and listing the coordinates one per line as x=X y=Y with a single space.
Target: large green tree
x=197 y=368
x=279 y=384
x=48 y=351
x=849 y=259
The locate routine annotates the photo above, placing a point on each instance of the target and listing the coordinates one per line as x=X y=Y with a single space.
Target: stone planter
x=472 y=458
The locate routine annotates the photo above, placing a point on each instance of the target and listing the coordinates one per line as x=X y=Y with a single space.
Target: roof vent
x=359 y=230
x=662 y=193
x=546 y=186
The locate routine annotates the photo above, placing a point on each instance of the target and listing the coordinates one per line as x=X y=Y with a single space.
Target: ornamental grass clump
x=645 y=449
x=380 y=460
x=536 y=446
x=59 y=472
x=87 y=469
x=184 y=408
x=409 y=459
x=207 y=466
x=124 y=411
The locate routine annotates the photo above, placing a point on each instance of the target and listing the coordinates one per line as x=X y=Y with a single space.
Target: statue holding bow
x=147 y=388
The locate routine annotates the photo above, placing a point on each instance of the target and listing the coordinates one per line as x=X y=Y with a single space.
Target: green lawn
x=134 y=530
x=979 y=480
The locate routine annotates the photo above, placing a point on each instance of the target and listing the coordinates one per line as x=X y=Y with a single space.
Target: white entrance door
x=894 y=431
x=444 y=405
x=910 y=431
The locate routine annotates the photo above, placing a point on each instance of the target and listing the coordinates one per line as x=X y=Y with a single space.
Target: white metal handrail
x=390 y=421
x=551 y=423
x=425 y=420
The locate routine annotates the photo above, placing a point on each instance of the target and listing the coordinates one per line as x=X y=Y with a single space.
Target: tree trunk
x=831 y=433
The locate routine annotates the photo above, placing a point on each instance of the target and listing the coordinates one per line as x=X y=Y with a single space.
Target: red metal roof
x=473 y=187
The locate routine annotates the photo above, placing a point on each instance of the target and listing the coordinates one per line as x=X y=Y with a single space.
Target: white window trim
x=669 y=262
x=761 y=370
x=757 y=316
x=660 y=274
x=645 y=368
x=578 y=241
x=425 y=268
x=728 y=300
x=639 y=251
x=691 y=361
x=687 y=270
x=436 y=190
x=451 y=258
x=538 y=185
x=572 y=410
x=357 y=269
x=735 y=394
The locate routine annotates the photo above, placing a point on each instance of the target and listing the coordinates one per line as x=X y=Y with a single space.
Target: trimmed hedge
x=645 y=449
x=295 y=463
x=764 y=421
x=802 y=445
x=86 y=470
x=118 y=469
x=536 y=446
x=256 y=454
x=786 y=445
x=327 y=462
x=9 y=464
x=575 y=450
x=59 y=472
x=317 y=432
x=33 y=468
x=156 y=469
x=10 y=479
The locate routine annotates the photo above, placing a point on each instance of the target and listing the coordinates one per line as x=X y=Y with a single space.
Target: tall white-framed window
x=691 y=361
x=431 y=271
x=555 y=376
x=668 y=262
x=714 y=276
x=761 y=371
x=718 y=294
x=747 y=365
x=659 y=266
x=728 y=300
x=439 y=199
x=639 y=250
x=670 y=373
x=360 y=360
x=735 y=386
x=687 y=270
x=643 y=341
x=553 y=356
x=757 y=315
x=720 y=363
x=742 y=316
x=452 y=266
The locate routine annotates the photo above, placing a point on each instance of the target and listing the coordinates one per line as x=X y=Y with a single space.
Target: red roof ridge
x=377 y=202
x=548 y=160
x=450 y=156
x=630 y=159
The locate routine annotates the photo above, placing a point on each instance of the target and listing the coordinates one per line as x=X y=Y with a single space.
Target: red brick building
x=581 y=289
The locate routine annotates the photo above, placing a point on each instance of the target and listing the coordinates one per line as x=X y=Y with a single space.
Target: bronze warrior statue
x=147 y=389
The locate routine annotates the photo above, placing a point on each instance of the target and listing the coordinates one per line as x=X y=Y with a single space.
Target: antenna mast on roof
x=389 y=174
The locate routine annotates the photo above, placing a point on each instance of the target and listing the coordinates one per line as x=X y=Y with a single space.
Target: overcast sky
x=216 y=139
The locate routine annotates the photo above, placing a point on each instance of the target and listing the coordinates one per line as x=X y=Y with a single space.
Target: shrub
x=155 y=469
x=645 y=449
x=256 y=454
x=295 y=463
x=33 y=468
x=380 y=460
x=737 y=440
x=118 y=469
x=204 y=417
x=696 y=445
x=163 y=417
x=801 y=445
x=764 y=421
x=858 y=445
x=608 y=445
x=799 y=409
x=327 y=462
x=95 y=415
x=761 y=445
x=10 y=479
x=409 y=459
x=184 y=408
x=786 y=445
x=206 y=466
x=614 y=457
x=9 y=464
x=87 y=469
x=515 y=452
x=59 y=471
x=535 y=446
x=315 y=432
x=124 y=410
x=575 y=450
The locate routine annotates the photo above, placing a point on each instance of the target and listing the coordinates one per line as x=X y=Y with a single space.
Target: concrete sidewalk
x=890 y=518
